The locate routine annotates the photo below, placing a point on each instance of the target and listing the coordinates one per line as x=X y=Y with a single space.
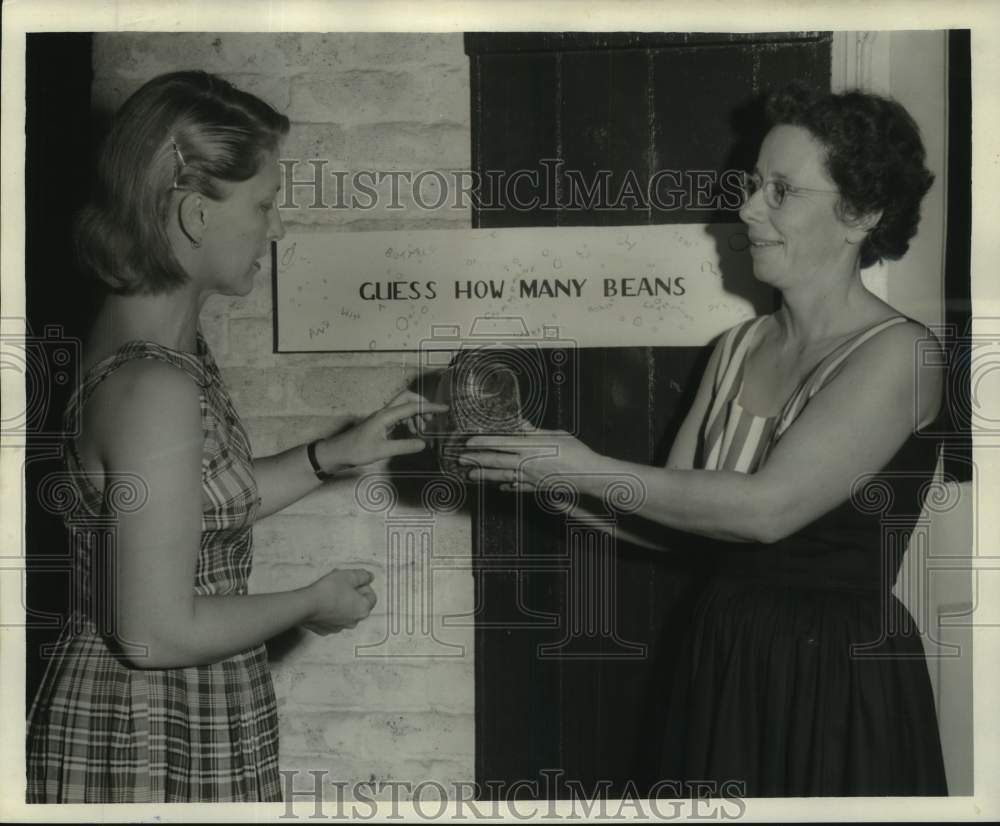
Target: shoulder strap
x=188 y=362
x=828 y=367
x=734 y=346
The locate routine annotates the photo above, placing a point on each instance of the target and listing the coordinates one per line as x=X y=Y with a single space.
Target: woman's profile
x=803 y=674
x=172 y=700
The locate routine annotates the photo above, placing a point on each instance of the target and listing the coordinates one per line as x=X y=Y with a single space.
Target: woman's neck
x=170 y=320
x=824 y=309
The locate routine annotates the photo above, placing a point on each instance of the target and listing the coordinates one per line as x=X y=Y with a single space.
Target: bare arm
x=285 y=478
x=288 y=476
x=852 y=427
x=646 y=533
x=146 y=421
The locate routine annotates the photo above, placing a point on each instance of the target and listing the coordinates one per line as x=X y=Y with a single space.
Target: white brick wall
x=392 y=102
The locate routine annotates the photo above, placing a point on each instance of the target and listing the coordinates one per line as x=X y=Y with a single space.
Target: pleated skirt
x=101 y=731
x=798 y=692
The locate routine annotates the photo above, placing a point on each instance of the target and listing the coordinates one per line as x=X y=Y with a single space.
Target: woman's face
x=804 y=238
x=240 y=229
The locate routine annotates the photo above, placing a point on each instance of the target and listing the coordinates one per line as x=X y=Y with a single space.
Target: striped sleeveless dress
x=103 y=731
x=803 y=674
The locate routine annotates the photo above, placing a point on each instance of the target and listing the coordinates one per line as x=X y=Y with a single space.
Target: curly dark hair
x=875 y=156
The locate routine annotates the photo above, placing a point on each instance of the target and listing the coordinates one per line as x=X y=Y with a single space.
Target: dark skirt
x=788 y=691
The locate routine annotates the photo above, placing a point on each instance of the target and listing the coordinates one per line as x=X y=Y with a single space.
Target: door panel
x=575 y=639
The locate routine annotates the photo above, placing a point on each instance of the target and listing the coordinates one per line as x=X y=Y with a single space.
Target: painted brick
x=272 y=89
x=250 y=343
x=393 y=225
x=339 y=498
x=314 y=141
x=407 y=362
x=353 y=498
x=131 y=55
x=360 y=390
x=371 y=641
x=374 y=95
x=268 y=576
x=341 y=539
x=374 y=641
x=413 y=735
x=375 y=686
x=351 y=539
x=452 y=593
x=370 y=778
x=109 y=92
x=332 y=498
x=407 y=145
x=373 y=50
x=259 y=391
x=336 y=220
x=273 y=434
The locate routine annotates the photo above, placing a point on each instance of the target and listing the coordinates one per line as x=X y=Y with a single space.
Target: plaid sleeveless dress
x=103 y=731
x=803 y=675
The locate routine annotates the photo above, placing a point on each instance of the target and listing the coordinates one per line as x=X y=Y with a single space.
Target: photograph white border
x=981 y=16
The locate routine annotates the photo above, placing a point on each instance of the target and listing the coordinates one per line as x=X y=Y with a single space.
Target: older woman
x=803 y=675
x=172 y=699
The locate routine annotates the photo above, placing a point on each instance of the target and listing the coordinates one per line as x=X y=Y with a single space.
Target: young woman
x=172 y=699
x=803 y=675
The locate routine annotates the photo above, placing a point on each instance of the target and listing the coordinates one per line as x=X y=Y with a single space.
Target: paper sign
x=668 y=285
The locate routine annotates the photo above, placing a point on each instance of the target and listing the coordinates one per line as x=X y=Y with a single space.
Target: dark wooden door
x=575 y=644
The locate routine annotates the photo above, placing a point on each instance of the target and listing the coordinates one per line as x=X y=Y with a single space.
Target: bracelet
x=321 y=474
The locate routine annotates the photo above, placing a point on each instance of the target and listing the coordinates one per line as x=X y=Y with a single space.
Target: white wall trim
x=861 y=61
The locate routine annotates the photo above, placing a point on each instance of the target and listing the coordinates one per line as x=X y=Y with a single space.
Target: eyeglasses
x=774 y=191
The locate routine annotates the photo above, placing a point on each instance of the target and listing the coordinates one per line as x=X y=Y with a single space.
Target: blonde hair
x=182 y=130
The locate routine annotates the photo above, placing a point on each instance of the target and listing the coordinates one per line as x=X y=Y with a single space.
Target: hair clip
x=179 y=161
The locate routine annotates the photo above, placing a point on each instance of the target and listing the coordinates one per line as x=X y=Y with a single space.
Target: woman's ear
x=859 y=227
x=192 y=217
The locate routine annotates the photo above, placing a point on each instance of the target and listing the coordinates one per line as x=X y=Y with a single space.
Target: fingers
x=322 y=630
x=518 y=487
x=507 y=475
x=484 y=459
x=417 y=425
x=410 y=413
x=358 y=577
x=406 y=396
x=393 y=414
x=401 y=447
x=500 y=442
x=369 y=594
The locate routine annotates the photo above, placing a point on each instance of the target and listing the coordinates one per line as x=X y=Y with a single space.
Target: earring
x=195 y=243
